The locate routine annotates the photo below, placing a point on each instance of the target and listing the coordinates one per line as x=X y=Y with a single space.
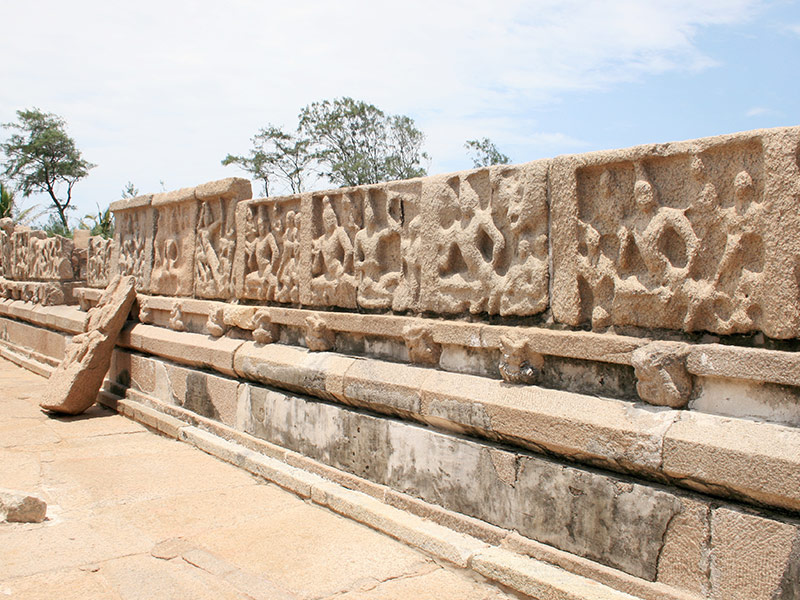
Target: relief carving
x=677 y=241
x=176 y=318
x=492 y=242
x=98 y=261
x=319 y=337
x=265 y=331
x=173 y=256
x=132 y=250
x=266 y=266
x=214 y=249
x=215 y=325
x=377 y=253
x=333 y=281
x=662 y=378
x=519 y=364
x=422 y=349
x=145 y=311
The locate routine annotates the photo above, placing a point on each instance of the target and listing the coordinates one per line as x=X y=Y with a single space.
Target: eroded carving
x=676 y=241
x=74 y=384
x=377 y=253
x=145 y=311
x=422 y=348
x=98 y=261
x=133 y=243
x=265 y=331
x=492 y=242
x=215 y=325
x=173 y=257
x=519 y=364
x=176 y=318
x=214 y=250
x=319 y=337
x=662 y=378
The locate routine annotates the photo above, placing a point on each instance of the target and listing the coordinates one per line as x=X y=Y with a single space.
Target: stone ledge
x=614 y=434
x=517 y=572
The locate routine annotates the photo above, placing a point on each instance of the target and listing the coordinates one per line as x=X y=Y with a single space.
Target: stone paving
x=132 y=515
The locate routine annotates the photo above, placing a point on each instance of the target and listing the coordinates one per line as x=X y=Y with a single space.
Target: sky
x=157 y=93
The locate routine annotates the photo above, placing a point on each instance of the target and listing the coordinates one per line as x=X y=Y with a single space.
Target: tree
x=484 y=153
x=41 y=157
x=278 y=154
x=358 y=143
x=129 y=191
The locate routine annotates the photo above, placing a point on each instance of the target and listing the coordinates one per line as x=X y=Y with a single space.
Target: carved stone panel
x=20 y=249
x=694 y=236
x=268 y=250
x=134 y=231
x=215 y=245
x=174 y=246
x=98 y=261
x=50 y=257
x=490 y=239
x=335 y=220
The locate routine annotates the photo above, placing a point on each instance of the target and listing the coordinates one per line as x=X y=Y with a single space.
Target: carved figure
x=319 y=338
x=265 y=331
x=471 y=254
x=333 y=282
x=176 y=318
x=288 y=286
x=216 y=323
x=421 y=346
x=662 y=378
x=519 y=364
x=377 y=277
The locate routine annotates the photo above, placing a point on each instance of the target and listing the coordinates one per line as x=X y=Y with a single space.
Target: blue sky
x=161 y=90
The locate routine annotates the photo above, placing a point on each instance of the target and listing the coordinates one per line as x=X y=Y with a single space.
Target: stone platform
x=132 y=514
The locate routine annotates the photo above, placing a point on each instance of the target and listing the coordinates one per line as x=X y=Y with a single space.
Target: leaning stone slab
x=74 y=384
x=19 y=507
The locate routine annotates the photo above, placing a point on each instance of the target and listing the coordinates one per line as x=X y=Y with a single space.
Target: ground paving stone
x=132 y=515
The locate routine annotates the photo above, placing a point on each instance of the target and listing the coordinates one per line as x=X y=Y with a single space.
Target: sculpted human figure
x=207 y=264
x=525 y=285
x=376 y=280
x=333 y=257
x=287 y=273
x=481 y=265
x=407 y=294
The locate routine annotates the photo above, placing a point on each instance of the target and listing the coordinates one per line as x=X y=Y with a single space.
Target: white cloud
x=163 y=90
x=757 y=111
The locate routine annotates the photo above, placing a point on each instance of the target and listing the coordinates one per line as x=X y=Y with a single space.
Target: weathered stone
x=661 y=373
x=19 y=507
x=690 y=235
x=175 y=243
x=134 y=232
x=78 y=378
x=601 y=517
x=750 y=557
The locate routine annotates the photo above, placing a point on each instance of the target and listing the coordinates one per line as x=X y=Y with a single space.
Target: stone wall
x=492 y=343
x=698 y=236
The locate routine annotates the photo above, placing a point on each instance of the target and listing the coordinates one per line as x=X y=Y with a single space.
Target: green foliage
x=54 y=227
x=129 y=191
x=358 y=143
x=484 y=153
x=41 y=157
x=103 y=222
x=6 y=201
x=277 y=154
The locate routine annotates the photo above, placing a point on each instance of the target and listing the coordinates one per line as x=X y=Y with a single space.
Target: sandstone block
x=134 y=233
x=19 y=507
x=752 y=459
x=689 y=236
x=753 y=558
x=76 y=381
